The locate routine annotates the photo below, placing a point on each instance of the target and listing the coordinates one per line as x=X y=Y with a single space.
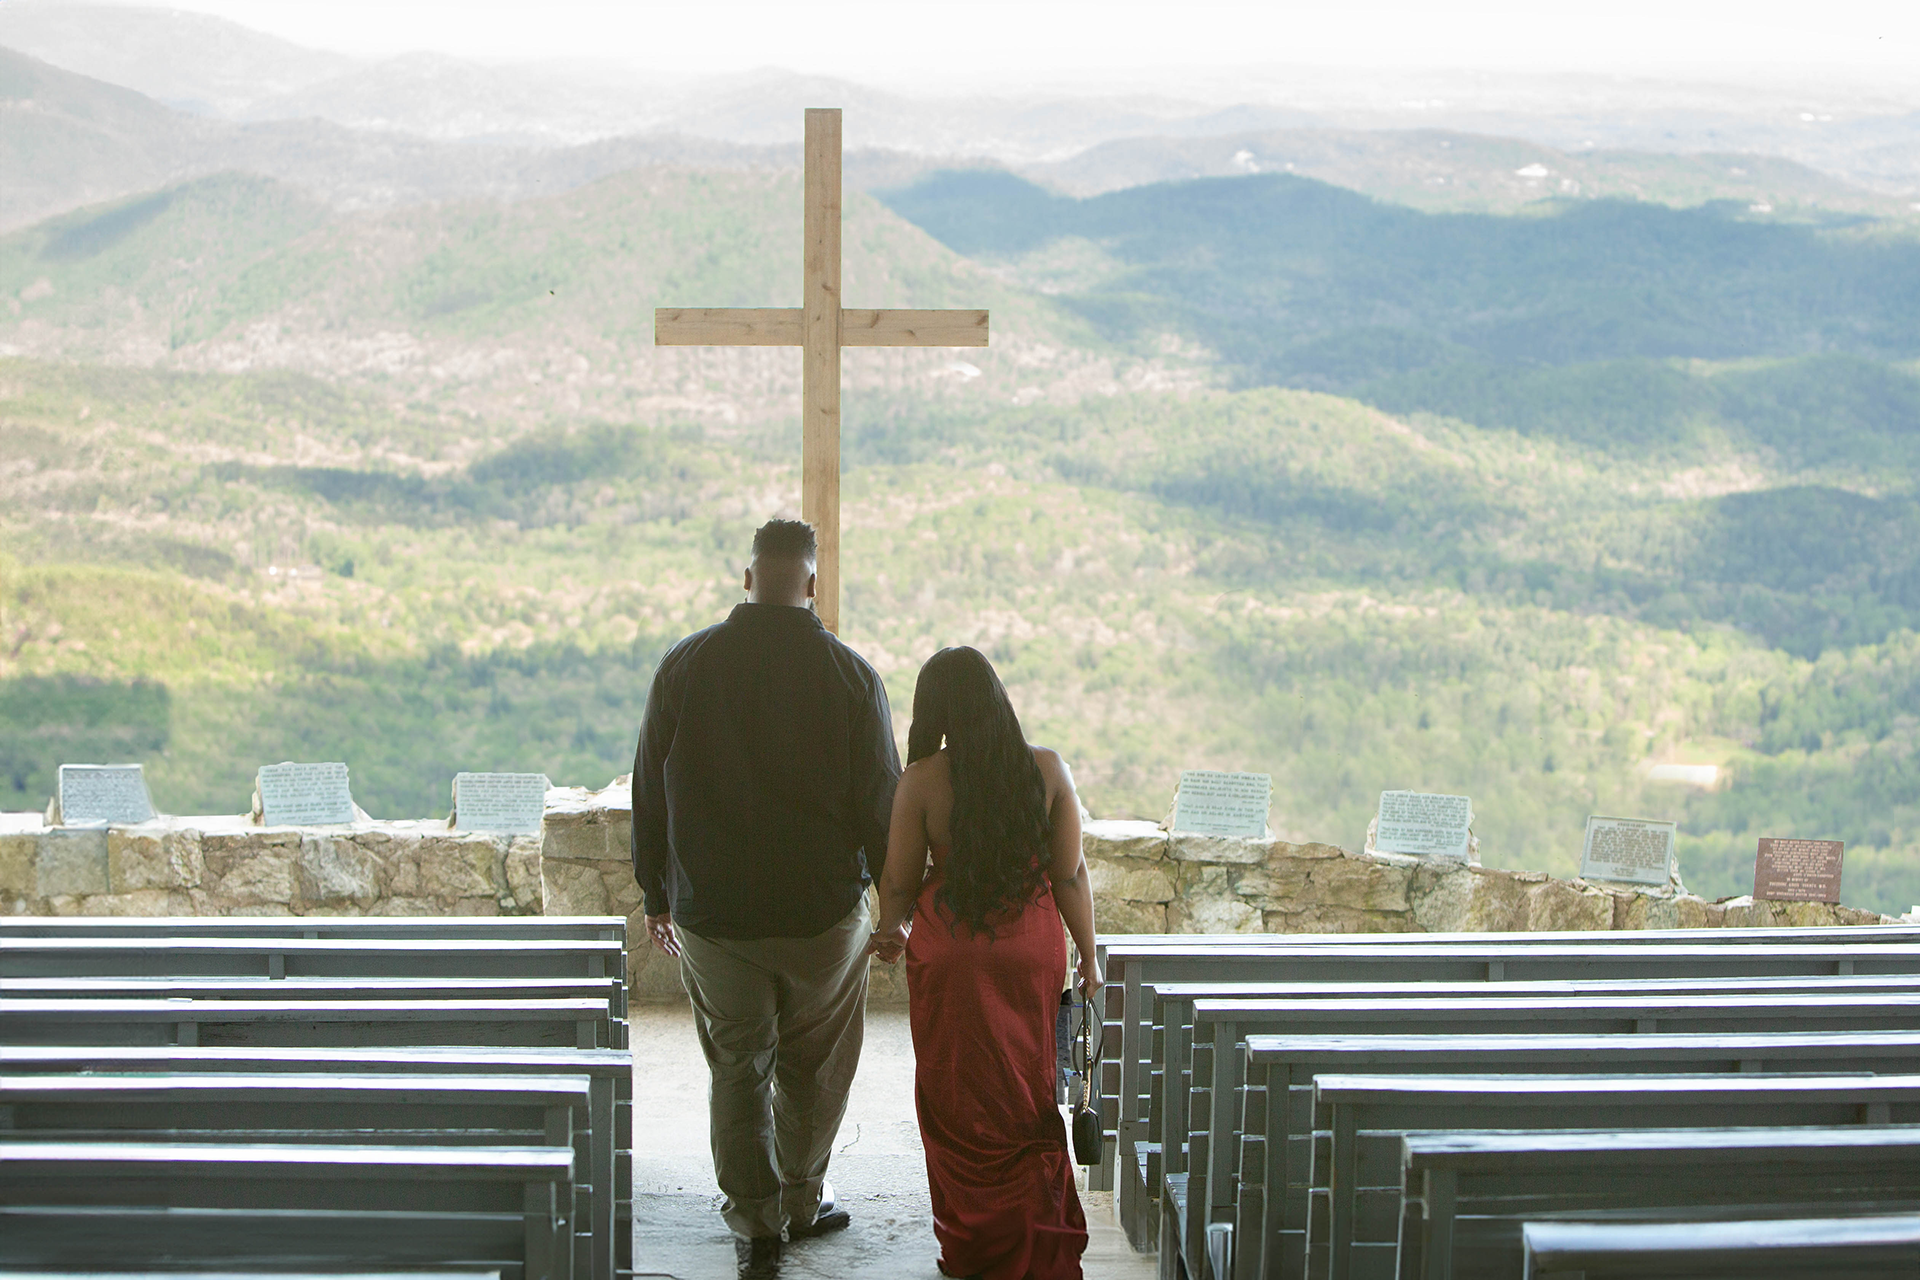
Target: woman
x=985 y=967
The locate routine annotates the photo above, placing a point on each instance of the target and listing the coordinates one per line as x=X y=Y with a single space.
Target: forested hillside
x=1257 y=474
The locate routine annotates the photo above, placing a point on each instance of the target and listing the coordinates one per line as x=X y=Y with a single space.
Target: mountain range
x=331 y=439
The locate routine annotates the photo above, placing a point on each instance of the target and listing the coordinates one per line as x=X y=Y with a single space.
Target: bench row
x=1220 y=1152
x=316 y=1095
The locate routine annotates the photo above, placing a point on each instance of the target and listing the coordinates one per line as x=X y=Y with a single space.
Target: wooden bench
x=1284 y=1137
x=1186 y=1135
x=67 y=1206
x=492 y=928
x=1358 y=1228
x=335 y=1109
x=610 y=990
x=437 y=1274
x=279 y=957
x=1134 y=968
x=580 y=1024
x=1469 y=1194
x=1767 y=1249
x=608 y=1073
x=1171 y=1041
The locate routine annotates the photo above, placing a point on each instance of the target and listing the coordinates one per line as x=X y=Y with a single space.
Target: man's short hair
x=785 y=540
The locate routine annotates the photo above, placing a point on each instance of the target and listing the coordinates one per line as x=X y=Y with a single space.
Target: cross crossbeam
x=820 y=326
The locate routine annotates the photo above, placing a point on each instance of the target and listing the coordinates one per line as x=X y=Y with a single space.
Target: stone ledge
x=1144 y=881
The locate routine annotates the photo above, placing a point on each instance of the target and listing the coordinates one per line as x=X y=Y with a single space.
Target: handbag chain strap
x=1090 y=1056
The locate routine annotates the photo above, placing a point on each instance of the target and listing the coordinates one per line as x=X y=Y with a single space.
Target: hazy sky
x=891 y=39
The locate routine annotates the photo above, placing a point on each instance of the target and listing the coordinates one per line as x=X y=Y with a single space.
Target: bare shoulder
x=927 y=771
x=1053 y=766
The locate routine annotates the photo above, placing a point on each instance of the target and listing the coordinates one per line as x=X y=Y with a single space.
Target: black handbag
x=1087 y=1129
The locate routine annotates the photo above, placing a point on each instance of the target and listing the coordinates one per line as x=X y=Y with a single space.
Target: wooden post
x=820 y=344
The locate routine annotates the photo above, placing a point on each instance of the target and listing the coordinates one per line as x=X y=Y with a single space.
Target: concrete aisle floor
x=878 y=1169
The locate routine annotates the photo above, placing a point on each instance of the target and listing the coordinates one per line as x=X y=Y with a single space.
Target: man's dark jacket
x=766 y=769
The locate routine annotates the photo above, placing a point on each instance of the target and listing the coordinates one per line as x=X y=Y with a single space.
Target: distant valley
x=336 y=442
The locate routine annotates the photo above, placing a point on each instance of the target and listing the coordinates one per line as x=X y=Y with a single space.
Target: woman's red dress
x=1004 y=1205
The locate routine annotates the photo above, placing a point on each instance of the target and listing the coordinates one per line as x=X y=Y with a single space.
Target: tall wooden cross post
x=820 y=326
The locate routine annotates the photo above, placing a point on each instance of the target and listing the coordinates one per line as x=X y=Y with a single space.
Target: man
x=762 y=789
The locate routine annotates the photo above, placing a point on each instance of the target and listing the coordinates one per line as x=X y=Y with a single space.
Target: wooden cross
x=820 y=326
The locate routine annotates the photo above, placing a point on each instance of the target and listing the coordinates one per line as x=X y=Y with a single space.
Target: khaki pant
x=780 y=1022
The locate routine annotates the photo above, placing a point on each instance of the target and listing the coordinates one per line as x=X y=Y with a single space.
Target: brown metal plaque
x=1798 y=870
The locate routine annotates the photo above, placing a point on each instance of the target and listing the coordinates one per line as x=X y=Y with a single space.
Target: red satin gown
x=1004 y=1204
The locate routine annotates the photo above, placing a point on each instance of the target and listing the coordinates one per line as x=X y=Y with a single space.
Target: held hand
x=660 y=929
x=890 y=944
x=1091 y=979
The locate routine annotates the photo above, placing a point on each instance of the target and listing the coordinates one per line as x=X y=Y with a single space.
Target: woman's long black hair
x=1000 y=823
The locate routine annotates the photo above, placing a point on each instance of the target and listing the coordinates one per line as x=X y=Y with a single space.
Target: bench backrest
x=1136 y=969
x=1475 y=1190
x=483 y=928
x=1844 y=1248
x=1277 y=1115
x=111 y=957
x=76 y=1204
x=1370 y=1113
x=611 y=990
x=583 y=1024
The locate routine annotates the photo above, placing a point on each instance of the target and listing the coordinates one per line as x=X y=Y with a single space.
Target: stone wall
x=1147 y=881
x=1144 y=880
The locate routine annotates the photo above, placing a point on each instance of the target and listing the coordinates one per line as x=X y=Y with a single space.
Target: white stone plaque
x=94 y=793
x=1424 y=823
x=304 y=795
x=1222 y=804
x=514 y=803
x=1634 y=850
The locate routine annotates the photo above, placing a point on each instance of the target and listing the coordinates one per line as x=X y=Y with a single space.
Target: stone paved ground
x=878 y=1169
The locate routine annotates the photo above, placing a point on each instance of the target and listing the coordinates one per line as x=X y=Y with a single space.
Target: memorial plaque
x=1633 y=850
x=514 y=803
x=304 y=795
x=1798 y=870
x=1222 y=804
x=95 y=793
x=1433 y=826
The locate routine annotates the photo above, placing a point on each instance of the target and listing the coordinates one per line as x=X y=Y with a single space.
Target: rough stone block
x=473 y=907
x=1333 y=918
x=1220 y=849
x=1289 y=851
x=1119 y=916
x=1122 y=838
x=523 y=876
x=141 y=902
x=573 y=889
x=1133 y=879
x=1211 y=915
x=1352 y=881
x=406 y=907
x=463 y=867
x=1751 y=913
x=333 y=871
x=576 y=840
x=1698 y=913
x=1633 y=910
x=1531 y=902
x=18 y=853
x=1440 y=896
x=1569 y=905
x=148 y=859
x=71 y=863
x=252 y=878
x=622 y=890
